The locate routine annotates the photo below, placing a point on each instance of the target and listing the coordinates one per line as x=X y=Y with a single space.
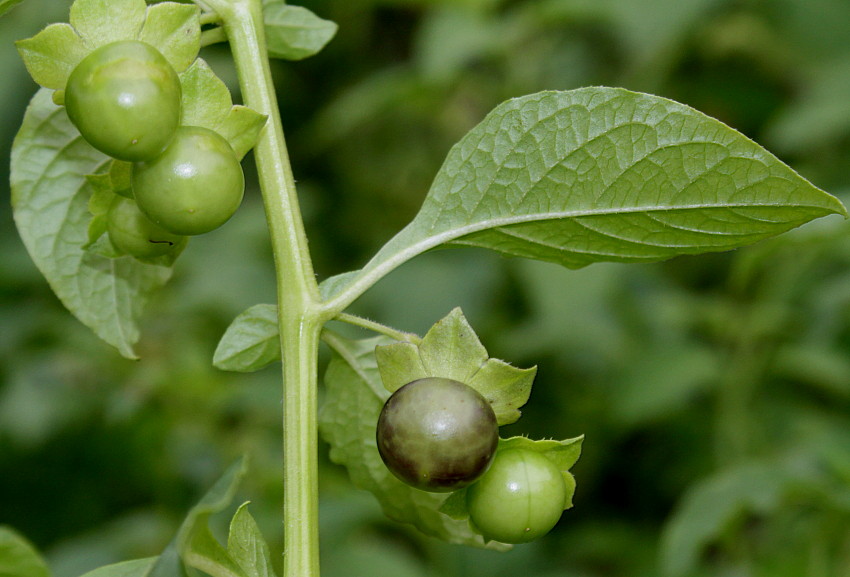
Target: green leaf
x=293 y=32
x=247 y=547
x=207 y=103
x=100 y=22
x=6 y=5
x=601 y=174
x=710 y=506
x=51 y=55
x=175 y=30
x=251 y=342
x=18 y=558
x=452 y=350
x=195 y=543
x=134 y=568
x=50 y=196
x=347 y=421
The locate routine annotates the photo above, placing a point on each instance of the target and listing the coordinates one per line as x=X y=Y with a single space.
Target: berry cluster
x=126 y=101
x=441 y=435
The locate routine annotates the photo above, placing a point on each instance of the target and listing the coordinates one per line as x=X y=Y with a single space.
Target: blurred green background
x=714 y=391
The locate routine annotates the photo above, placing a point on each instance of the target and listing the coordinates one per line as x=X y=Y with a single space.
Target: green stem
x=213 y=36
x=377 y=328
x=300 y=317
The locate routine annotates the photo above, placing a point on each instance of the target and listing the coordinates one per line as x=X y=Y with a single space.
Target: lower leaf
x=50 y=195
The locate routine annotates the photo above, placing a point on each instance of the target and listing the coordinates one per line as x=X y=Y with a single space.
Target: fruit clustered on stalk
x=125 y=99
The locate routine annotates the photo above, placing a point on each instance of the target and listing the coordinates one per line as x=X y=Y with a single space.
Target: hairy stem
x=377 y=328
x=300 y=317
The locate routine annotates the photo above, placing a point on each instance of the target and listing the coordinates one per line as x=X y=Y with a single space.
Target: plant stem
x=300 y=317
x=377 y=328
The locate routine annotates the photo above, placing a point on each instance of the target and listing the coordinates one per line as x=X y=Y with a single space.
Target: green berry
x=194 y=186
x=519 y=499
x=132 y=233
x=124 y=98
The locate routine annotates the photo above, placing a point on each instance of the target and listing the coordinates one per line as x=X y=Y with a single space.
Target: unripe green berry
x=124 y=98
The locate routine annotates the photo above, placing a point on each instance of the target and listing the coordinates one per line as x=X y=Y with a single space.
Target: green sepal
x=175 y=30
x=51 y=55
x=563 y=453
x=294 y=32
x=101 y=22
x=99 y=202
x=452 y=350
x=104 y=187
x=120 y=173
x=207 y=103
x=399 y=364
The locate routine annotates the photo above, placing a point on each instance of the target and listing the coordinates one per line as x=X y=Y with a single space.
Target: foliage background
x=714 y=391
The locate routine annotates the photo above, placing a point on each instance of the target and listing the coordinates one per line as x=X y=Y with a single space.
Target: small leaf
x=101 y=22
x=51 y=55
x=251 y=342
x=452 y=350
x=348 y=420
x=135 y=568
x=247 y=547
x=195 y=543
x=18 y=557
x=207 y=103
x=175 y=30
x=601 y=174
x=293 y=32
x=50 y=196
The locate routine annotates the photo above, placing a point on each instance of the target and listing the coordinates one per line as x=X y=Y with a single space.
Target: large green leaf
x=50 y=197
x=348 y=421
x=600 y=174
x=18 y=558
